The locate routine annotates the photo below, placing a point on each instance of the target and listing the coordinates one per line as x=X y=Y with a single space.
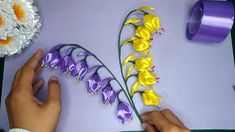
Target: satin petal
x=143 y=63
x=151 y=22
x=135 y=87
x=146 y=78
x=141 y=45
x=143 y=32
x=128 y=72
x=143 y=8
x=127 y=41
x=128 y=58
x=132 y=21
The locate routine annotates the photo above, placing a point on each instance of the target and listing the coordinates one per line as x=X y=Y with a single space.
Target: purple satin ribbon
x=210 y=21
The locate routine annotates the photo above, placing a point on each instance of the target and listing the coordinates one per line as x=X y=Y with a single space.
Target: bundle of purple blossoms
x=64 y=57
x=61 y=57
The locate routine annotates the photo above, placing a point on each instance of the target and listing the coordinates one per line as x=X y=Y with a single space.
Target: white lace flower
x=20 y=22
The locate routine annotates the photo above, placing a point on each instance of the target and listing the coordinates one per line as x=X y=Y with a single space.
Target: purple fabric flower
x=108 y=95
x=52 y=58
x=80 y=70
x=124 y=112
x=71 y=67
x=94 y=84
x=67 y=63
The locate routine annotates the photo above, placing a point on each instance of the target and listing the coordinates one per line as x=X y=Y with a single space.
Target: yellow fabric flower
x=141 y=45
x=135 y=88
x=151 y=22
x=128 y=58
x=151 y=98
x=128 y=72
x=132 y=21
x=146 y=8
x=143 y=63
x=146 y=78
x=143 y=32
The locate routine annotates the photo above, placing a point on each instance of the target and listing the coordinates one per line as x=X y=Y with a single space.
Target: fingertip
x=41 y=81
x=144 y=117
x=54 y=96
x=38 y=86
x=144 y=125
x=148 y=127
x=53 y=78
x=38 y=54
x=53 y=82
x=39 y=51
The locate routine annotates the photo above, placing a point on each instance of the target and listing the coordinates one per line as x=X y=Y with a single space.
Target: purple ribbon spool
x=210 y=21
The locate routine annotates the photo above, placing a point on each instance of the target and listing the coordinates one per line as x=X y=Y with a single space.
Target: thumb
x=54 y=97
x=148 y=127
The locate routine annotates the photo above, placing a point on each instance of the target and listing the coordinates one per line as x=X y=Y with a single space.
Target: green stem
x=118 y=96
x=135 y=26
x=120 y=63
x=132 y=62
x=134 y=75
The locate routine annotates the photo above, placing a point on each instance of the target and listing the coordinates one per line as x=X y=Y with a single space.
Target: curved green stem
x=135 y=26
x=132 y=62
x=134 y=75
x=118 y=95
x=120 y=63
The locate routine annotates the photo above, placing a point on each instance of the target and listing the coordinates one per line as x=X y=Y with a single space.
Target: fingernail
x=39 y=51
x=54 y=78
x=144 y=125
x=143 y=117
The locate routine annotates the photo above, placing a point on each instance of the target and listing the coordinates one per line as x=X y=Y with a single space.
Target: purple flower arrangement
x=60 y=57
x=64 y=57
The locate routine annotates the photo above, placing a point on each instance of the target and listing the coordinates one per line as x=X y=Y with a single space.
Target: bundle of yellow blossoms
x=141 y=60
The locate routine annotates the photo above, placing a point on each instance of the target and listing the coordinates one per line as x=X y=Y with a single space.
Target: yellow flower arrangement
x=140 y=60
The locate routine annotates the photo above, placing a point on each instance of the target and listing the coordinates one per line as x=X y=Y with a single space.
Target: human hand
x=162 y=121
x=23 y=108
